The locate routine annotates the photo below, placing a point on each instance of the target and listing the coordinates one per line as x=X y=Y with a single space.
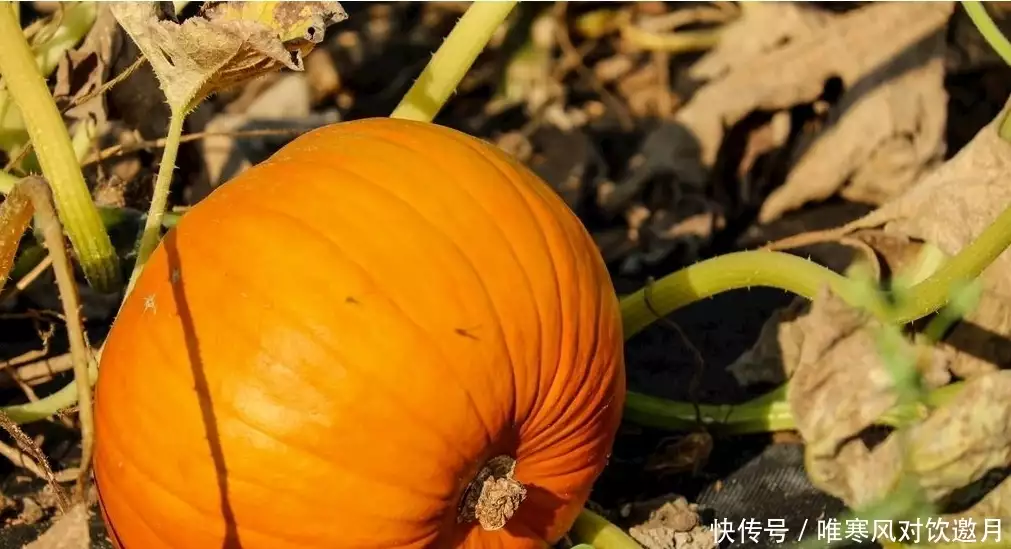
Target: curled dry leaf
x=857 y=48
x=955 y=446
x=227 y=44
x=739 y=45
x=949 y=208
x=840 y=386
x=884 y=133
x=84 y=70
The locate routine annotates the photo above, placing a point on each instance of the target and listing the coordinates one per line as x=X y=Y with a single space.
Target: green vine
x=593 y=529
x=1000 y=44
x=451 y=62
x=55 y=151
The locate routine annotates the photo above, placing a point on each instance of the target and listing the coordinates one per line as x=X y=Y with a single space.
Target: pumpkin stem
x=493 y=496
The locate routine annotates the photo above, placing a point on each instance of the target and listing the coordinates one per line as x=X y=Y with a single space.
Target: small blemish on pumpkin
x=176 y=275
x=466 y=333
x=149 y=304
x=351 y=300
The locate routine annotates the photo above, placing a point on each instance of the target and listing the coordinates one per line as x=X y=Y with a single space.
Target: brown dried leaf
x=229 y=43
x=955 y=446
x=69 y=531
x=838 y=388
x=838 y=385
x=853 y=47
x=84 y=70
x=949 y=208
x=761 y=27
x=880 y=138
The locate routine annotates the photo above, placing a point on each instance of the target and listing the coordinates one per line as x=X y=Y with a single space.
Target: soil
x=756 y=476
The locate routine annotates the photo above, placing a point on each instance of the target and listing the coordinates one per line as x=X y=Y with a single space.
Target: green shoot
x=55 y=151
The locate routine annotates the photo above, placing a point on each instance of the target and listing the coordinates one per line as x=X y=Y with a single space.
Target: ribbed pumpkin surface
x=326 y=351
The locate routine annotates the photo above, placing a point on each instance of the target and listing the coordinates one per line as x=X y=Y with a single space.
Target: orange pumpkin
x=389 y=334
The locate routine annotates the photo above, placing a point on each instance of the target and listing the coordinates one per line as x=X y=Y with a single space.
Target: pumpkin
x=388 y=334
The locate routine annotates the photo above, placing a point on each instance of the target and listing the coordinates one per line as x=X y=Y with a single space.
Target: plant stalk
x=1000 y=44
x=38 y=191
x=453 y=59
x=597 y=531
x=152 y=226
x=55 y=152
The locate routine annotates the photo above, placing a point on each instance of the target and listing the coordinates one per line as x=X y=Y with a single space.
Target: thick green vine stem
x=767 y=413
x=804 y=278
x=55 y=152
x=453 y=59
x=595 y=530
x=1000 y=44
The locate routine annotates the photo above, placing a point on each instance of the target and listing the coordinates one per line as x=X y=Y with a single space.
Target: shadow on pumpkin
x=231 y=540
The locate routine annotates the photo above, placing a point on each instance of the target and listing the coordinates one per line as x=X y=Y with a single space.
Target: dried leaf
x=881 y=137
x=949 y=208
x=853 y=47
x=838 y=386
x=69 y=531
x=229 y=43
x=84 y=70
x=955 y=446
x=761 y=27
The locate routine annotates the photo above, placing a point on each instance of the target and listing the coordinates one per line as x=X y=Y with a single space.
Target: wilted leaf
x=227 y=44
x=838 y=385
x=84 y=70
x=856 y=47
x=69 y=531
x=949 y=208
x=761 y=27
x=879 y=139
x=955 y=446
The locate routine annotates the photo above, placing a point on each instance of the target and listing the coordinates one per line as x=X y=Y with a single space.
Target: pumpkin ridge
x=599 y=313
x=494 y=157
x=165 y=490
x=397 y=400
x=222 y=408
x=479 y=277
x=518 y=188
x=239 y=480
x=463 y=190
x=573 y=410
x=580 y=246
x=130 y=508
x=421 y=330
x=545 y=456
